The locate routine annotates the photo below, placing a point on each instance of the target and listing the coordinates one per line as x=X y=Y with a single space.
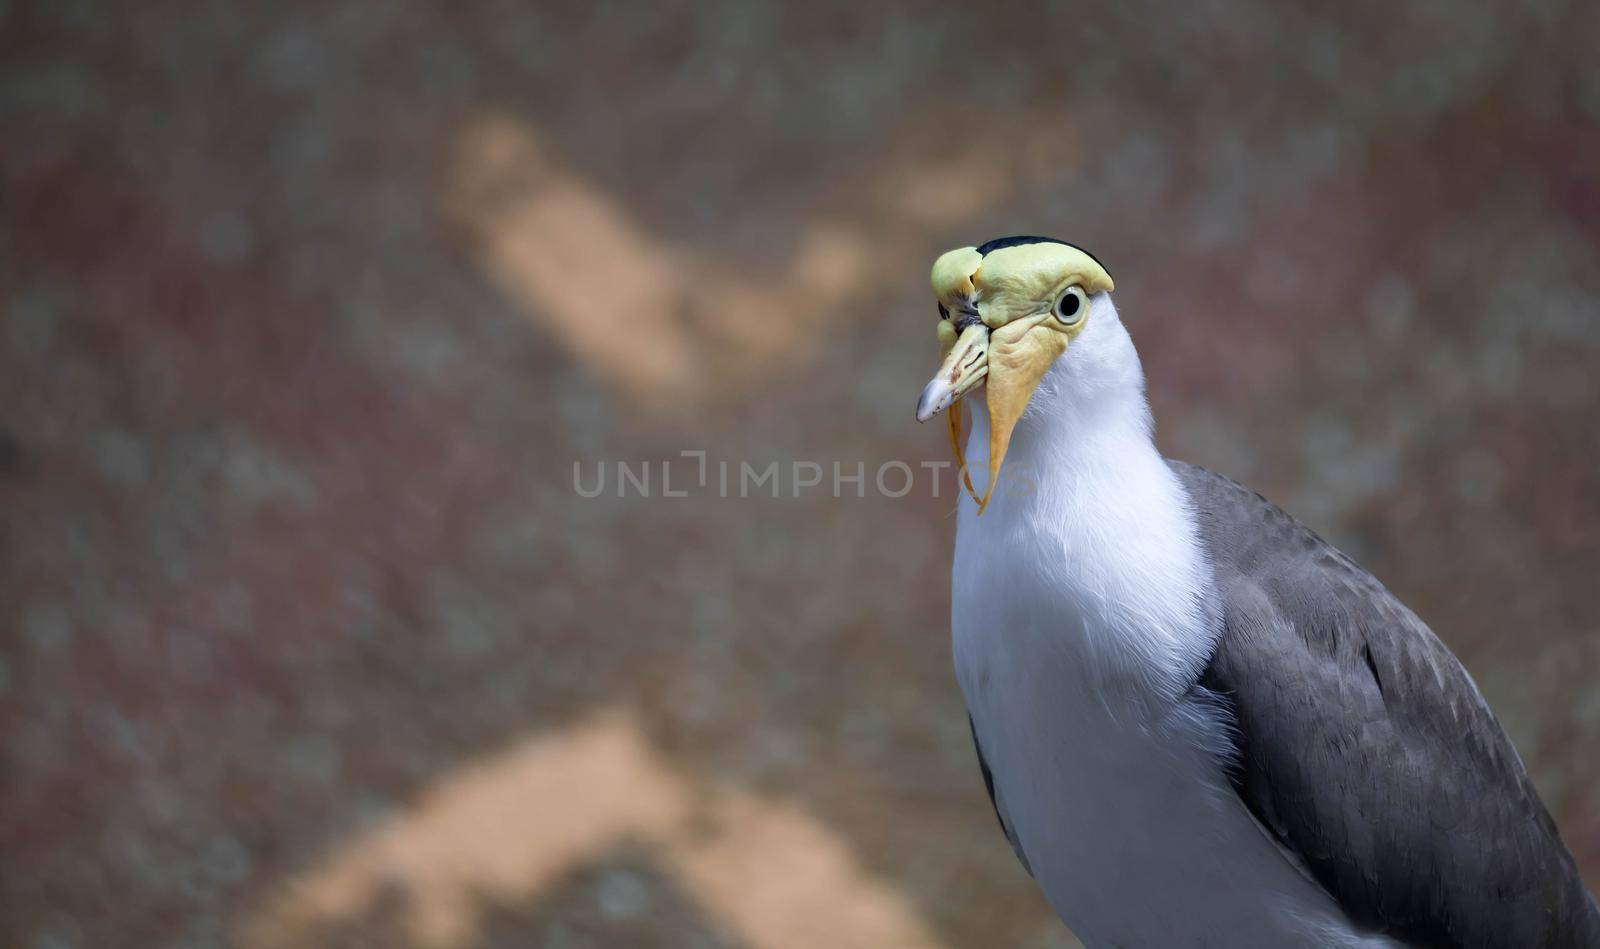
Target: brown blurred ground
x=309 y=309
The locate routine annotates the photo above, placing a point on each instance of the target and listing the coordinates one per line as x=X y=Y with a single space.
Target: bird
x=1199 y=723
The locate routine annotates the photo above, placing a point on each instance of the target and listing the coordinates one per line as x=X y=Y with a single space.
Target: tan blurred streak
x=574 y=259
x=670 y=326
x=506 y=829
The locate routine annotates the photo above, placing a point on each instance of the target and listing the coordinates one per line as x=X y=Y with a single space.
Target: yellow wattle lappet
x=1004 y=317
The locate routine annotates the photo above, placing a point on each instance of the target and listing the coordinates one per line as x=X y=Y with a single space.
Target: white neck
x=1087 y=511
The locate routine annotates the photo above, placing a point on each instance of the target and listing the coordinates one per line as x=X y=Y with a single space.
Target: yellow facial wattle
x=1006 y=315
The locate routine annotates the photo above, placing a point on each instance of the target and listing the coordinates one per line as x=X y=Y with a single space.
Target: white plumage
x=1080 y=623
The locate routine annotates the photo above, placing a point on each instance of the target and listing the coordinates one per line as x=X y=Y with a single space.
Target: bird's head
x=1008 y=309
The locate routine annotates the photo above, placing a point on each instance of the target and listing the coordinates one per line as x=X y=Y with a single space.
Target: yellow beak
x=963 y=370
x=1009 y=361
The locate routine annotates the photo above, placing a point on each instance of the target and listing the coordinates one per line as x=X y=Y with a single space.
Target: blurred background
x=310 y=308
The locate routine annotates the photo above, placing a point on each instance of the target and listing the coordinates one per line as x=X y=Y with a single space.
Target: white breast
x=1079 y=628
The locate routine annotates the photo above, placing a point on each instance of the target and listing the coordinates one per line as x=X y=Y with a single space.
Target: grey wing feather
x=994 y=799
x=1366 y=749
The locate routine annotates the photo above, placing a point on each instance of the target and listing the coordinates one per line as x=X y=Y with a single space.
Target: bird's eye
x=1070 y=308
x=944 y=314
